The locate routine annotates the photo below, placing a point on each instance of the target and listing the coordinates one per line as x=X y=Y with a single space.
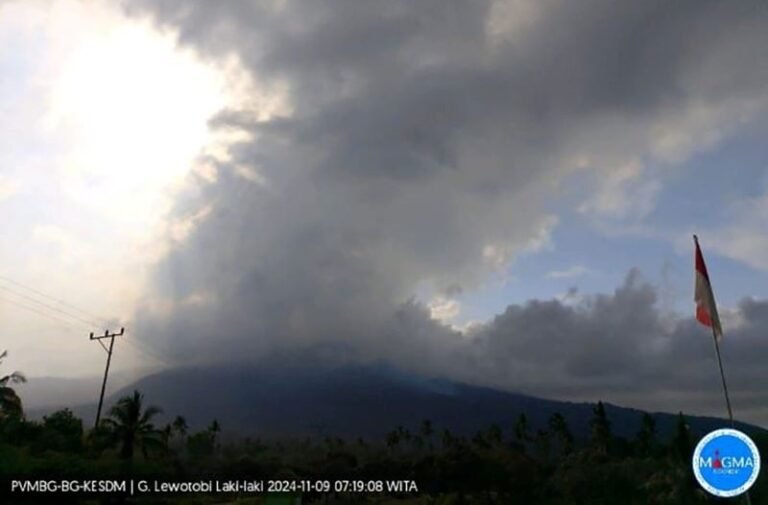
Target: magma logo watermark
x=726 y=463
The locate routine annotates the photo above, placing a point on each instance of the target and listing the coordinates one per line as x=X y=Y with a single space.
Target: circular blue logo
x=726 y=463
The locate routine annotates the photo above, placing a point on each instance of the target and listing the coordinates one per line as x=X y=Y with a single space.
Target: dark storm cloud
x=423 y=146
x=619 y=346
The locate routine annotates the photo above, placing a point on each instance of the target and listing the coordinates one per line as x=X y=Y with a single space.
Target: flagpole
x=747 y=498
x=714 y=332
x=722 y=377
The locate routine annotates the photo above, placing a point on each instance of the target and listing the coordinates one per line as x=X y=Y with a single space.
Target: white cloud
x=574 y=271
x=572 y=298
x=509 y=20
x=626 y=191
x=250 y=174
x=180 y=229
x=8 y=187
x=70 y=249
x=444 y=309
x=743 y=237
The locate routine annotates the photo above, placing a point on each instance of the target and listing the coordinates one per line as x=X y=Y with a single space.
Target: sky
x=501 y=192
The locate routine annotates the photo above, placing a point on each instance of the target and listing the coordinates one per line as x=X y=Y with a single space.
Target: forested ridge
x=497 y=465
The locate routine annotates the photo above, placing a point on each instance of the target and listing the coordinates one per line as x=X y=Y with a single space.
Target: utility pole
x=110 y=336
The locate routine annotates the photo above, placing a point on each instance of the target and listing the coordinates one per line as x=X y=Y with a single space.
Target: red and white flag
x=706 y=310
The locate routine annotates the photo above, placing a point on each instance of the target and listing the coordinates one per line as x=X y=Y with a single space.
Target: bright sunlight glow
x=133 y=109
x=104 y=117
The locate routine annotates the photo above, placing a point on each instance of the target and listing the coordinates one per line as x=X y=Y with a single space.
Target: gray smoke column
x=426 y=144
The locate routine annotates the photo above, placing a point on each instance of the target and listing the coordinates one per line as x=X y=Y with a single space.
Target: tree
x=179 y=426
x=10 y=403
x=521 y=429
x=480 y=441
x=448 y=439
x=176 y=430
x=494 y=435
x=131 y=426
x=601 y=429
x=543 y=445
x=63 y=431
x=214 y=429
x=201 y=445
x=646 y=436
x=559 y=428
x=681 y=444
x=405 y=435
x=393 y=438
x=426 y=431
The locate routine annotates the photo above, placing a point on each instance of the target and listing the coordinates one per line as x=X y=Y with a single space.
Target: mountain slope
x=368 y=401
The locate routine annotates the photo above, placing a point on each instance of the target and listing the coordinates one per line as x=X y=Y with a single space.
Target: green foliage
x=62 y=431
x=130 y=425
x=494 y=435
x=559 y=428
x=20 y=432
x=600 y=430
x=645 y=441
x=682 y=446
x=10 y=403
x=521 y=430
x=201 y=445
x=179 y=426
x=548 y=467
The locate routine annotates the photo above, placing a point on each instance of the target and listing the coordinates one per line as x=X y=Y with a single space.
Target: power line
x=51 y=297
x=49 y=307
x=94 y=320
x=60 y=320
x=147 y=351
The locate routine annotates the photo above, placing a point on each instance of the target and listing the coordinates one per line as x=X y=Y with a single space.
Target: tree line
x=496 y=465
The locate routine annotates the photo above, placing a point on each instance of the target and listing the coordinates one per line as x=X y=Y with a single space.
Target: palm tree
x=214 y=429
x=131 y=425
x=10 y=403
x=180 y=426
